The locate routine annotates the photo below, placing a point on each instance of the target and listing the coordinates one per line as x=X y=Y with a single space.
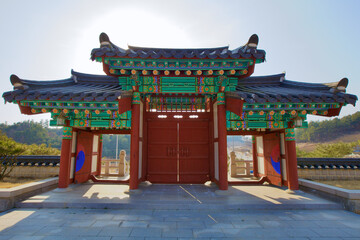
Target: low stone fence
x=240 y=167
x=308 y=168
x=34 y=166
x=350 y=199
x=34 y=172
x=327 y=174
x=9 y=196
x=329 y=168
x=114 y=167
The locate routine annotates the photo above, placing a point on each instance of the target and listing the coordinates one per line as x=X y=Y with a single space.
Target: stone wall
x=10 y=196
x=329 y=174
x=35 y=171
x=314 y=174
x=350 y=199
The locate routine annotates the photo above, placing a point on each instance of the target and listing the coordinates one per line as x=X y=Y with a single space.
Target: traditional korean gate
x=272 y=158
x=178 y=148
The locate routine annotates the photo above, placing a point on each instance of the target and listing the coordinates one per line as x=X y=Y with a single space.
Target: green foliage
x=330 y=129
x=41 y=140
x=109 y=145
x=9 y=149
x=12 y=148
x=30 y=132
x=335 y=150
x=41 y=149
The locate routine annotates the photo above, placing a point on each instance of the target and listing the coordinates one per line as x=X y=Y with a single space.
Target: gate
x=178 y=147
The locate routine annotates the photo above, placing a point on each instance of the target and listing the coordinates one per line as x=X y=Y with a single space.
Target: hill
x=346 y=129
x=30 y=132
x=38 y=133
x=10 y=147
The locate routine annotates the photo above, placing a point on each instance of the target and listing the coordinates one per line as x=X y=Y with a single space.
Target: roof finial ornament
x=104 y=40
x=16 y=82
x=339 y=86
x=253 y=41
x=342 y=84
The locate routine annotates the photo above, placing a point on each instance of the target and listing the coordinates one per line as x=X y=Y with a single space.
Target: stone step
x=176 y=196
x=175 y=206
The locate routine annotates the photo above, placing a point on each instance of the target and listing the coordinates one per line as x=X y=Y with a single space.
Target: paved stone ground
x=178 y=224
x=105 y=211
x=116 y=196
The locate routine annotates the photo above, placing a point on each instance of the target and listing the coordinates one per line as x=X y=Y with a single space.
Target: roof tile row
x=87 y=87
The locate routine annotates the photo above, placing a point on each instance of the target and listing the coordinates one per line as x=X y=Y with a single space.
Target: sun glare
x=140 y=28
x=127 y=26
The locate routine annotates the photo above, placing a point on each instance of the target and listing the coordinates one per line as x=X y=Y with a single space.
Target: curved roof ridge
x=76 y=77
x=93 y=78
x=18 y=82
x=42 y=82
x=136 y=48
x=267 y=79
x=320 y=86
x=80 y=74
x=249 y=50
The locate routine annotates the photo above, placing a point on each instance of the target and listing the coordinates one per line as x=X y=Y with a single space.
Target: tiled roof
x=88 y=87
x=108 y=49
x=275 y=88
x=79 y=87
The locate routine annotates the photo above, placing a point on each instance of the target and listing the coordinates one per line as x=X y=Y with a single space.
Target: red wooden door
x=272 y=158
x=178 y=150
x=83 y=157
x=194 y=151
x=162 y=151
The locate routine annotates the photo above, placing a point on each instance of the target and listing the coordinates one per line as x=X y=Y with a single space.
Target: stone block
x=9 y=196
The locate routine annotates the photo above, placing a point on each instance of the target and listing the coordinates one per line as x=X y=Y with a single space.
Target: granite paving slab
x=15 y=224
x=166 y=197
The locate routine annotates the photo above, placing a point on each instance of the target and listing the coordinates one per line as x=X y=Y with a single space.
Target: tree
x=9 y=150
x=30 y=132
x=328 y=130
x=335 y=150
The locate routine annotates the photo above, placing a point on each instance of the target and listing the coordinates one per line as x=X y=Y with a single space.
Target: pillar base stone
x=210 y=184
x=145 y=184
x=289 y=191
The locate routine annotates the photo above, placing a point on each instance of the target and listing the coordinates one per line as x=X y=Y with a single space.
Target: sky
x=312 y=41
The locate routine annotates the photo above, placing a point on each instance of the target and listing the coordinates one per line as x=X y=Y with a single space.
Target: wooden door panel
x=178 y=150
x=194 y=132
x=83 y=157
x=194 y=165
x=272 y=158
x=162 y=151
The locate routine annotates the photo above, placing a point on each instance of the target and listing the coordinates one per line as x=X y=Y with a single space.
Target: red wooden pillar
x=65 y=158
x=221 y=115
x=98 y=171
x=255 y=162
x=291 y=160
x=134 y=144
